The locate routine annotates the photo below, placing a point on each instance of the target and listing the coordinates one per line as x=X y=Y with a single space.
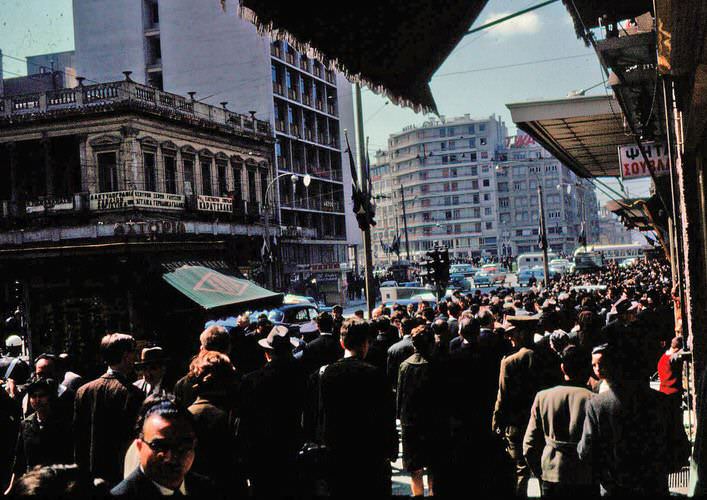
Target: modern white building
x=445 y=169
x=183 y=46
x=464 y=183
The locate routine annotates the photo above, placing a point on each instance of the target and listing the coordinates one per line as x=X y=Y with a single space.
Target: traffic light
x=364 y=209
x=442 y=271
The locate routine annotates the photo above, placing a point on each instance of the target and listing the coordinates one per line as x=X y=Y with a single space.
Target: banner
x=633 y=166
x=116 y=200
x=214 y=204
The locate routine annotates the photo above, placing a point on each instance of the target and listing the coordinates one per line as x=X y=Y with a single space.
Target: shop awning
x=393 y=47
x=212 y=289
x=584 y=133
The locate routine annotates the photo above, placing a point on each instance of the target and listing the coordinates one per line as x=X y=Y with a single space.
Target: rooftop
x=128 y=95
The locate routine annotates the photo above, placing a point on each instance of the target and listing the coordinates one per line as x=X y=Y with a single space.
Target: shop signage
x=49 y=205
x=214 y=204
x=633 y=166
x=116 y=200
x=148 y=228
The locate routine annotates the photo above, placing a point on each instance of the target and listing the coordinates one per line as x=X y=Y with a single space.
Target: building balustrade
x=32 y=106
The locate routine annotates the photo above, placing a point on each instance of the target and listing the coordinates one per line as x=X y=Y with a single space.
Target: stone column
x=89 y=170
x=129 y=176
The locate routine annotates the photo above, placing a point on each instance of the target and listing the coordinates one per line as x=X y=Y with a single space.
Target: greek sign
x=633 y=166
x=148 y=228
x=49 y=205
x=214 y=204
x=116 y=200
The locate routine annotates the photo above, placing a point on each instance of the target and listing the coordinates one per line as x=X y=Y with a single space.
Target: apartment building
x=205 y=49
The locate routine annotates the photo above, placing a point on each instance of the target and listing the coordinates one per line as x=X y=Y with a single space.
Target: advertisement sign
x=214 y=204
x=633 y=166
x=116 y=200
x=49 y=205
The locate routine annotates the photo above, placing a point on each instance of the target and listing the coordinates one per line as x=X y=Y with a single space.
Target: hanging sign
x=633 y=166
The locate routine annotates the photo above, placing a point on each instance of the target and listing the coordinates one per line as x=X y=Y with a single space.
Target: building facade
x=469 y=186
x=569 y=201
x=225 y=61
x=445 y=171
x=111 y=185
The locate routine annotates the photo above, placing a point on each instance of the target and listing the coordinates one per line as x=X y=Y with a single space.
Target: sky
x=535 y=56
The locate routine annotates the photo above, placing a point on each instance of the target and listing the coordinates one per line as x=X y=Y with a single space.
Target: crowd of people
x=489 y=389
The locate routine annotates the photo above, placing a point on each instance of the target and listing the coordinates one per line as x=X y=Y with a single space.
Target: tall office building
x=570 y=201
x=184 y=46
x=468 y=186
x=445 y=170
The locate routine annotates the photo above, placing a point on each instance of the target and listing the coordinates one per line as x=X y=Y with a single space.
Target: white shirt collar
x=166 y=491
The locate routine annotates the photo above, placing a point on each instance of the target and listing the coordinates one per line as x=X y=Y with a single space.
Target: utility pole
x=543 y=233
x=405 y=223
x=364 y=179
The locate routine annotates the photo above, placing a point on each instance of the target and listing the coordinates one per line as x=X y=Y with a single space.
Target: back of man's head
x=215 y=338
x=576 y=363
x=469 y=329
x=325 y=322
x=486 y=319
x=355 y=334
x=407 y=325
x=422 y=339
x=114 y=346
x=440 y=328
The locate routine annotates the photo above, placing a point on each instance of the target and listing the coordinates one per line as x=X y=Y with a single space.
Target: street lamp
x=294 y=178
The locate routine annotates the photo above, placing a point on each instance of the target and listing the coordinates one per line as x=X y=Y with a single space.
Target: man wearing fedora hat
x=272 y=401
x=152 y=366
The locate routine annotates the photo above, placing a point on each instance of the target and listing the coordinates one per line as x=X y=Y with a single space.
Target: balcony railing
x=143 y=97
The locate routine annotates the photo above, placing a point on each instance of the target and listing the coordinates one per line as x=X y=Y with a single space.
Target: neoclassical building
x=106 y=187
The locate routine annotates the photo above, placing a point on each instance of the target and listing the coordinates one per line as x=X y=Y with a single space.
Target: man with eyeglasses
x=166 y=442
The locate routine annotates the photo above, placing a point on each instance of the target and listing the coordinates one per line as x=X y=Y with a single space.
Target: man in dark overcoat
x=105 y=412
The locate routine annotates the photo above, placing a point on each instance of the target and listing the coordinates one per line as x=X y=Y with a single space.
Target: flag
x=582 y=240
x=542 y=239
x=395 y=246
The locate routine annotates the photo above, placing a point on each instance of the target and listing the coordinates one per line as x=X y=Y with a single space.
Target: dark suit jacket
x=215 y=449
x=272 y=400
x=398 y=352
x=46 y=445
x=137 y=485
x=321 y=351
x=105 y=413
x=632 y=440
x=359 y=411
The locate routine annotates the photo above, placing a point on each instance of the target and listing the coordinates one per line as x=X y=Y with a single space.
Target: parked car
x=525 y=276
x=289 y=315
x=560 y=265
x=482 y=278
x=496 y=271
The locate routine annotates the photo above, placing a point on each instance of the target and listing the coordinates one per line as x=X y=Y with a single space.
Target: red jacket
x=670 y=374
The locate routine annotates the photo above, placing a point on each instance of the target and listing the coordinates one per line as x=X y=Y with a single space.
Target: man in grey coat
x=555 y=428
x=631 y=438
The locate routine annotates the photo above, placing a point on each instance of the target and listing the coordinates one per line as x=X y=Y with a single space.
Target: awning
x=584 y=133
x=644 y=214
x=393 y=47
x=212 y=289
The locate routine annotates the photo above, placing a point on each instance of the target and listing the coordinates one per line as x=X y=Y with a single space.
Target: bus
x=615 y=252
x=530 y=260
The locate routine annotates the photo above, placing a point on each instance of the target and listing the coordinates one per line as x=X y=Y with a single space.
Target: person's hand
x=11 y=388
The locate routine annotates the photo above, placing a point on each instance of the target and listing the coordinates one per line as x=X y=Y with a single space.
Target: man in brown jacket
x=105 y=412
x=555 y=428
x=517 y=385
